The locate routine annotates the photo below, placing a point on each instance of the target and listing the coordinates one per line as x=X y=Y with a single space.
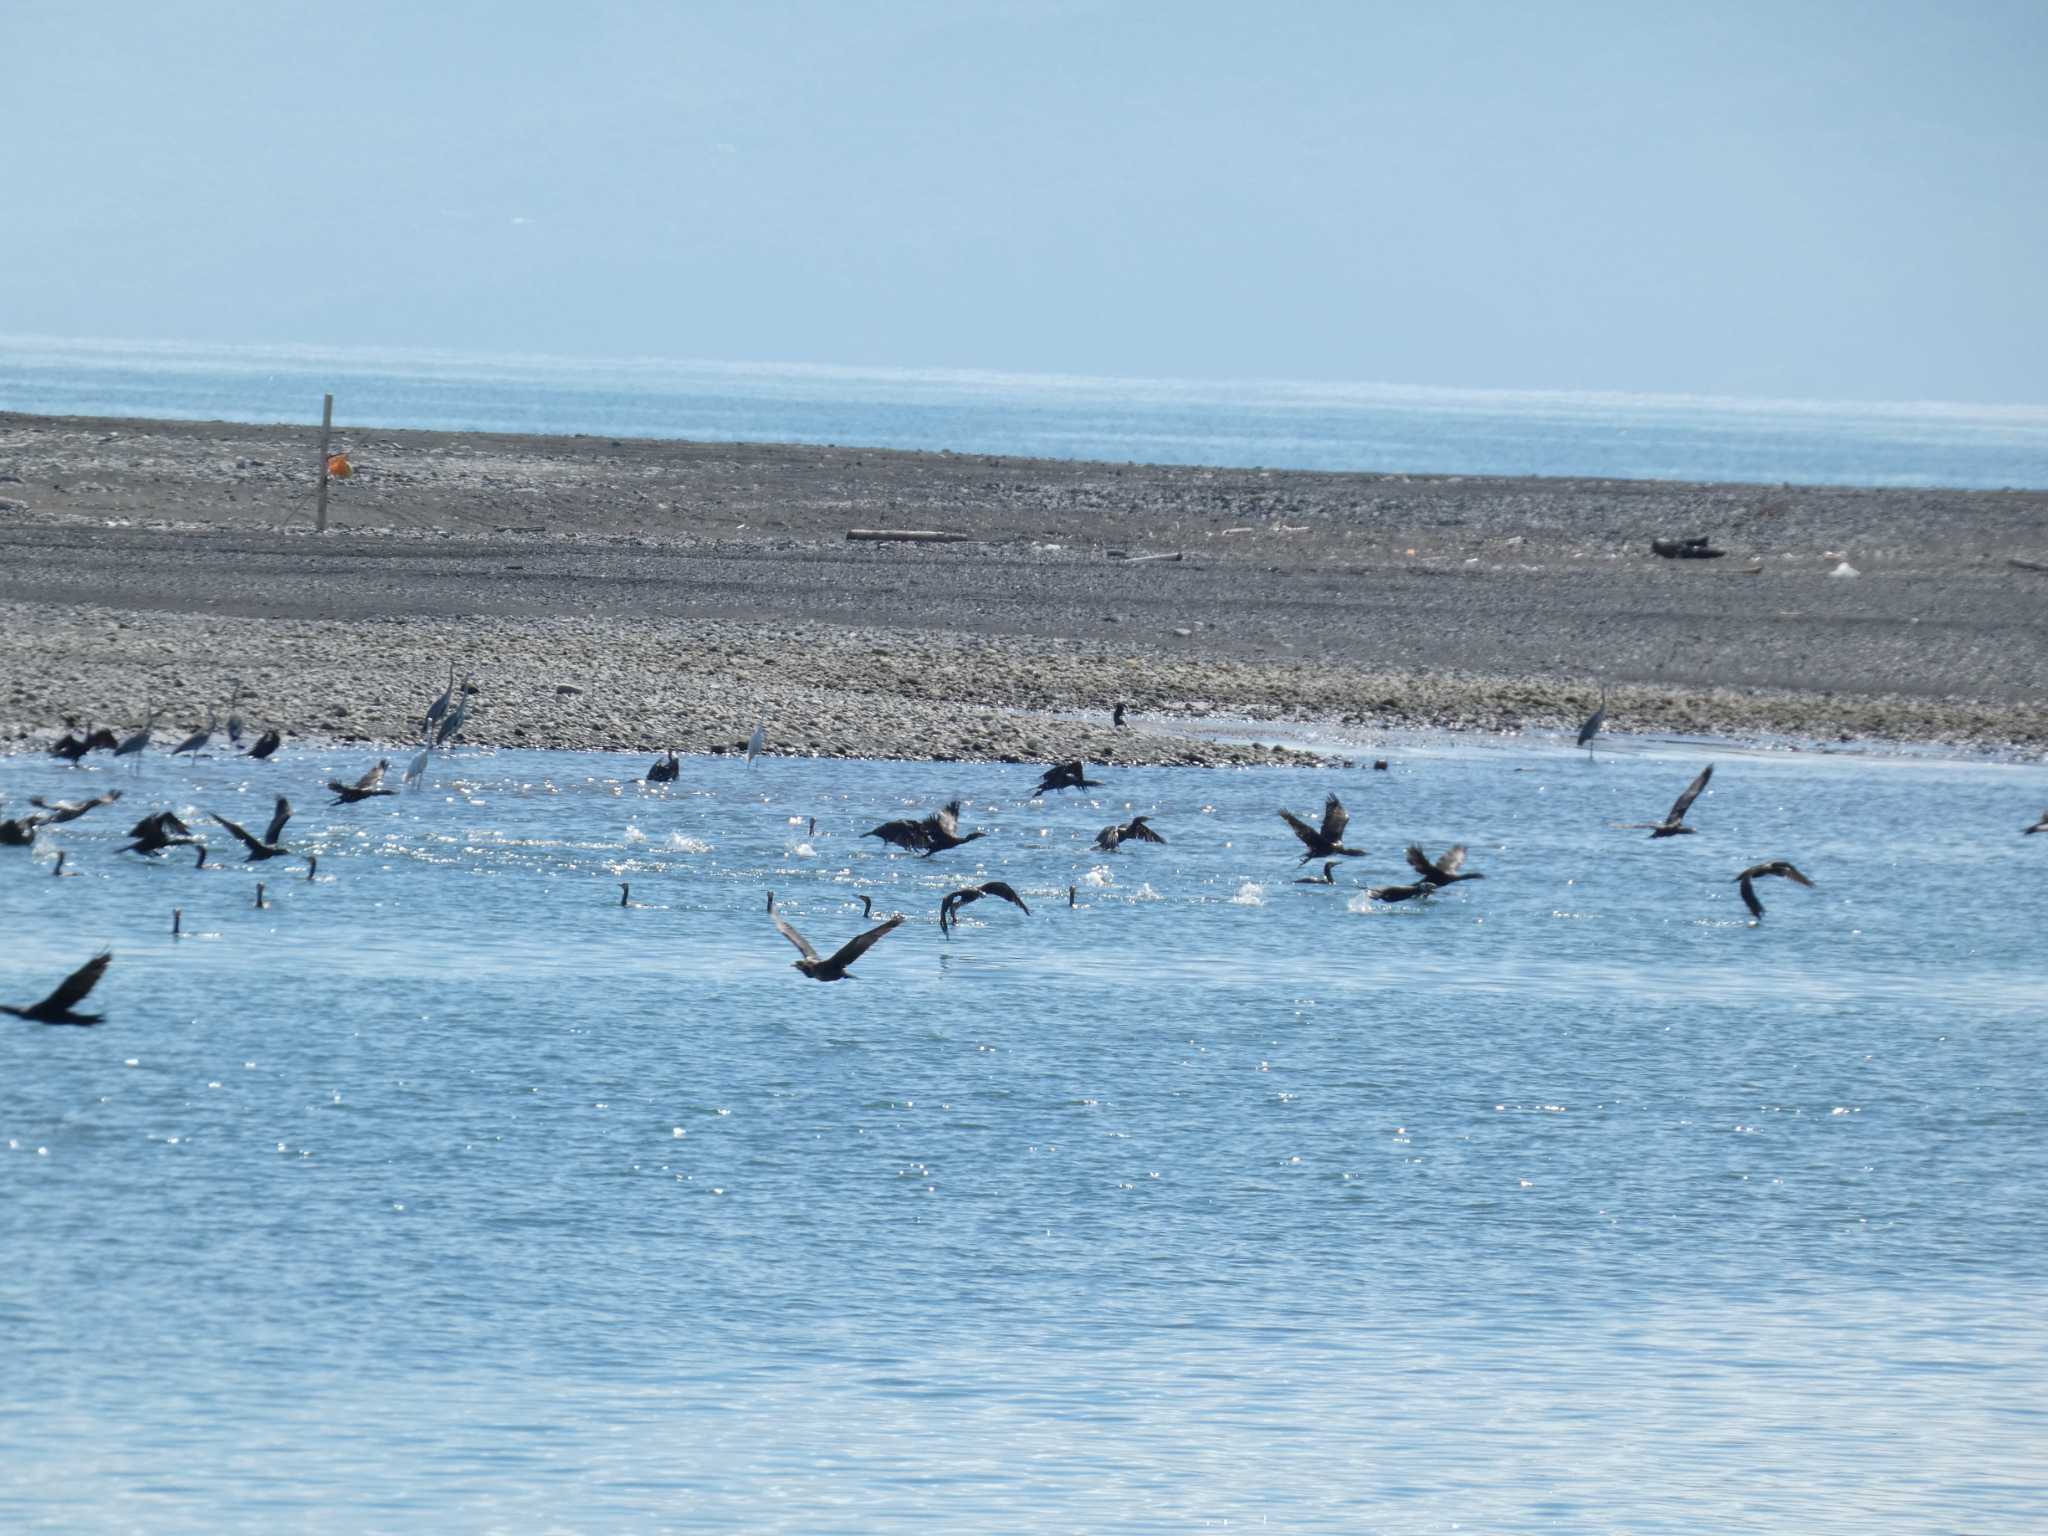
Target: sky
x=1822 y=200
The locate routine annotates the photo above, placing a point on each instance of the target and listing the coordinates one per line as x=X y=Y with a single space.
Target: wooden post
x=326 y=426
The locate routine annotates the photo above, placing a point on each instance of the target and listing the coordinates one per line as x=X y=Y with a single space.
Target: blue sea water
x=1266 y=424
x=445 y=1193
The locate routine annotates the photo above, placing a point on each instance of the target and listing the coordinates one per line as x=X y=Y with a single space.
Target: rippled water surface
x=447 y=1193
x=1257 y=423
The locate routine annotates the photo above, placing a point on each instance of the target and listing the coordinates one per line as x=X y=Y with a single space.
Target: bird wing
x=952 y=902
x=1396 y=892
x=1143 y=833
x=278 y=818
x=240 y=831
x=1785 y=869
x=1301 y=828
x=1692 y=792
x=374 y=777
x=1109 y=837
x=1335 y=820
x=904 y=834
x=1756 y=908
x=946 y=818
x=1002 y=888
x=1419 y=862
x=803 y=945
x=73 y=988
x=861 y=943
x=1453 y=861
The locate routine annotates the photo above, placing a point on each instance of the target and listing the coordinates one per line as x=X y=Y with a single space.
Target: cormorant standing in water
x=266 y=744
x=56 y=1008
x=666 y=769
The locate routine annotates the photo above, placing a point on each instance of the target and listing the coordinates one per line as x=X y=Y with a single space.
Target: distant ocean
x=1249 y=423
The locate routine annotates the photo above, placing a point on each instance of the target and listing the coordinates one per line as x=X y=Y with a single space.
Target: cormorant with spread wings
x=267 y=846
x=1673 y=824
x=1326 y=841
x=1066 y=776
x=1759 y=871
x=960 y=898
x=927 y=834
x=369 y=785
x=1443 y=871
x=1136 y=830
x=56 y=1008
x=833 y=967
x=61 y=811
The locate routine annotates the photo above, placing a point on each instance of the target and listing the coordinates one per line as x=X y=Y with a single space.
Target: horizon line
x=363 y=355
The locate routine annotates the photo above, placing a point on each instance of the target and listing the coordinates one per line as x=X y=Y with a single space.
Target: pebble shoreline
x=147 y=565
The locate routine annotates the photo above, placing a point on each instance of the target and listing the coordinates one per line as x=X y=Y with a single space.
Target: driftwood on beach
x=906 y=536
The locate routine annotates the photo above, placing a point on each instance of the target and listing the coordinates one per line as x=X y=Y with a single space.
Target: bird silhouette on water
x=73 y=746
x=369 y=785
x=1136 y=830
x=153 y=834
x=266 y=744
x=60 y=811
x=1326 y=841
x=1447 y=870
x=666 y=770
x=926 y=834
x=1327 y=877
x=1066 y=776
x=72 y=990
x=833 y=966
x=2039 y=826
x=1401 y=892
x=1757 y=872
x=1673 y=824
x=950 y=907
x=267 y=846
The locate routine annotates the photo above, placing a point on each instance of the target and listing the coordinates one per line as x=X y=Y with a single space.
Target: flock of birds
x=925 y=836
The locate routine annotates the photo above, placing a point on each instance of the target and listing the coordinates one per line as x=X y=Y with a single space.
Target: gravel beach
x=639 y=595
